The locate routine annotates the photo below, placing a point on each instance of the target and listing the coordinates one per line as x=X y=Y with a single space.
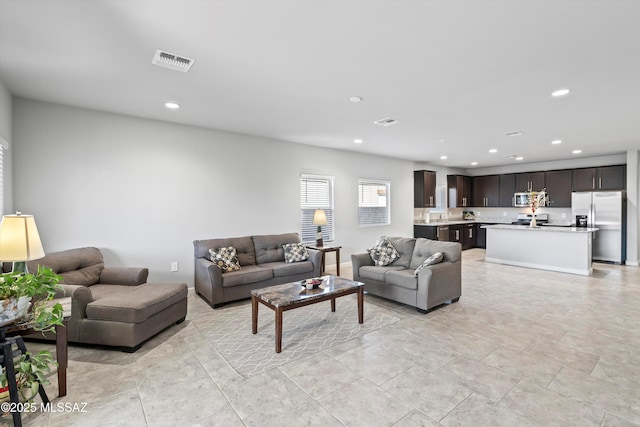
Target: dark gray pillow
x=433 y=259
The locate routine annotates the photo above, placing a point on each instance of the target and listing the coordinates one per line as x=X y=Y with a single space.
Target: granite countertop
x=462 y=221
x=547 y=228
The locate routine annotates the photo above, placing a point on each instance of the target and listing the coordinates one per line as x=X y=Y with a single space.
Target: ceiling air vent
x=173 y=61
x=386 y=122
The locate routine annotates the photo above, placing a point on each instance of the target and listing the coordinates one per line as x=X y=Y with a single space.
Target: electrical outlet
x=174 y=266
x=564 y=215
x=504 y=214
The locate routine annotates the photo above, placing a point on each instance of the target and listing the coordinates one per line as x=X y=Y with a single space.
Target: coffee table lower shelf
x=279 y=307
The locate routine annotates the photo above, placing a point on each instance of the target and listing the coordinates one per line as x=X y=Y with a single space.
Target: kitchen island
x=563 y=249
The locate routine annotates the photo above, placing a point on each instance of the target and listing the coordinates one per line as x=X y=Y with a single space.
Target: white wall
x=633 y=199
x=6 y=136
x=143 y=190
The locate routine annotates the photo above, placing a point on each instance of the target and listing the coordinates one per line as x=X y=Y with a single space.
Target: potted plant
x=23 y=305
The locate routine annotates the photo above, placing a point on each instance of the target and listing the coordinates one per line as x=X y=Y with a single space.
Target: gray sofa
x=434 y=285
x=113 y=306
x=261 y=264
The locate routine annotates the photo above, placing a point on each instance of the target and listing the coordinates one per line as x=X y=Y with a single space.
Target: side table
x=324 y=250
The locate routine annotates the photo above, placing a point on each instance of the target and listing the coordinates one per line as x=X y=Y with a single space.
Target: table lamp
x=319 y=219
x=19 y=241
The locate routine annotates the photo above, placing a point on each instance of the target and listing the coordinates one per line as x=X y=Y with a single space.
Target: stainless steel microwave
x=521 y=200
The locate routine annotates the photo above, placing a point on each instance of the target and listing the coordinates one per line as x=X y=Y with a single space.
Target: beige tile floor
x=521 y=348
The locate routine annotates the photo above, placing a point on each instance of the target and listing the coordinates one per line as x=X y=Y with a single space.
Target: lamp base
x=20 y=267
x=319 y=241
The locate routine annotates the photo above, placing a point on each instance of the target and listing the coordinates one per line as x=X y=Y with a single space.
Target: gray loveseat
x=113 y=306
x=434 y=285
x=261 y=264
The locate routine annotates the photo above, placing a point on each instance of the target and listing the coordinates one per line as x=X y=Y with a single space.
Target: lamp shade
x=319 y=217
x=19 y=239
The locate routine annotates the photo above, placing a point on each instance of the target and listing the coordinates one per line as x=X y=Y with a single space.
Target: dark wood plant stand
x=6 y=360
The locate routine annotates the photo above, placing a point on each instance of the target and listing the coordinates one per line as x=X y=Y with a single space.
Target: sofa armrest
x=359 y=260
x=130 y=276
x=80 y=297
x=316 y=259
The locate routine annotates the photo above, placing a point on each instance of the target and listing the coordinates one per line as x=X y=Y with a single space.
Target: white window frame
x=309 y=202
x=4 y=145
x=369 y=202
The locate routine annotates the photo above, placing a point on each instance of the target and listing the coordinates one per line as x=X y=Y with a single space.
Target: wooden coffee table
x=281 y=298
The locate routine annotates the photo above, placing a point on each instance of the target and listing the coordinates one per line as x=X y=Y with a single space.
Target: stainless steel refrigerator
x=605 y=210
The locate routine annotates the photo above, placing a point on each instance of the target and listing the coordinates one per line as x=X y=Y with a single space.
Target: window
x=316 y=192
x=373 y=202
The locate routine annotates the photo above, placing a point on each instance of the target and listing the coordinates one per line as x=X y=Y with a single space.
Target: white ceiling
x=462 y=71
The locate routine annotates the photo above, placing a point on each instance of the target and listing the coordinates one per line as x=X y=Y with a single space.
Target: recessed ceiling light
x=474 y=163
x=577 y=151
x=443 y=157
x=442 y=141
x=519 y=158
x=515 y=133
x=560 y=92
x=355 y=99
x=493 y=150
x=172 y=105
x=357 y=141
x=556 y=141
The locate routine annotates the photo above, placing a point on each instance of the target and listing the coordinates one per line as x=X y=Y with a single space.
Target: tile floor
x=521 y=348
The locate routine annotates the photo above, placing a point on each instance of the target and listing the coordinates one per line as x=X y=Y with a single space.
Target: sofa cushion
x=281 y=269
x=135 y=304
x=433 y=259
x=244 y=248
x=425 y=248
x=383 y=252
x=377 y=273
x=225 y=258
x=248 y=274
x=402 y=278
x=295 y=252
x=404 y=246
x=269 y=247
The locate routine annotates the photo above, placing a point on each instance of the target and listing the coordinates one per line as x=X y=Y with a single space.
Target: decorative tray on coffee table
x=315 y=282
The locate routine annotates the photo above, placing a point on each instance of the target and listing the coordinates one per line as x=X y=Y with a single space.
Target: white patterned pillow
x=433 y=259
x=383 y=253
x=225 y=258
x=295 y=252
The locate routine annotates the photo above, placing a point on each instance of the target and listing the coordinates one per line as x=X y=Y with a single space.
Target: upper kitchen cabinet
x=530 y=181
x=424 y=189
x=602 y=178
x=459 y=189
x=507 y=189
x=485 y=191
x=559 y=188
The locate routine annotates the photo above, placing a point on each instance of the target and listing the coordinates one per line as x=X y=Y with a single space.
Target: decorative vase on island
x=533 y=221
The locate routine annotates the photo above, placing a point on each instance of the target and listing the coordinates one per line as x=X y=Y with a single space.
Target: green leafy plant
x=42 y=316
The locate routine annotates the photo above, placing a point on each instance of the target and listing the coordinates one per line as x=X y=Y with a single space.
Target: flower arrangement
x=537 y=199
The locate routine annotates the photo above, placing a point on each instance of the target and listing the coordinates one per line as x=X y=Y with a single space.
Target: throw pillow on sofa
x=295 y=252
x=383 y=253
x=225 y=258
x=433 y=259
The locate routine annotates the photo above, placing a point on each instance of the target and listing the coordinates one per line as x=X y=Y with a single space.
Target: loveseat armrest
x=208 y=281
x=316 y=259
x=129 y=276
x=360 y=260
x=439 y=283
x=80 y=297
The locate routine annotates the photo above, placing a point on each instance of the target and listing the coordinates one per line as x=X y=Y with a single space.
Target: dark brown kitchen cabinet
x=424 y=189
x=507 y=189
x=559 y=188
x=426 y=231
x=601 y=178
x=469 y=236
x=485 y=191
x=459 y=191
x=456 y=233
x=530 y=181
